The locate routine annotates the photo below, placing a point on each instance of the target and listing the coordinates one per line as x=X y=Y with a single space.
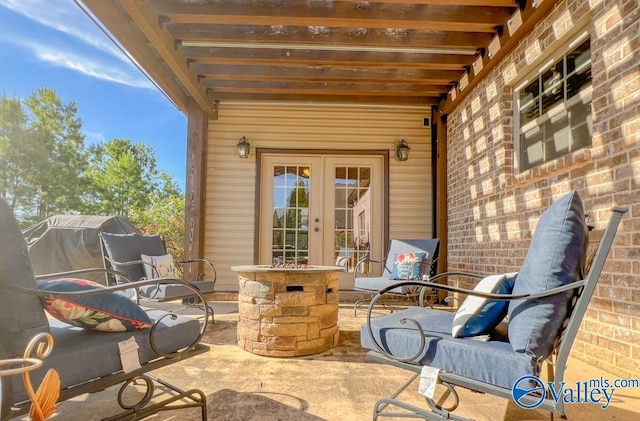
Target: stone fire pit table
x=287 y=311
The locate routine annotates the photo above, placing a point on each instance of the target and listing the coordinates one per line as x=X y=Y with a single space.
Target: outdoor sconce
x=243 y=147
x=402 y=151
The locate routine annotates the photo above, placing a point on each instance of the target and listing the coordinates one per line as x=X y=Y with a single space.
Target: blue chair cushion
x=108 y=312
x=492 y=362
x=81 y=355
x=479 y=315
x=406 y=266
x=555 y=258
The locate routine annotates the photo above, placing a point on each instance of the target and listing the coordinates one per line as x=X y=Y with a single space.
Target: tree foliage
x=122 y=176
x=166 y=217
x=14 y=151
x=42 y=154
x=46 y=169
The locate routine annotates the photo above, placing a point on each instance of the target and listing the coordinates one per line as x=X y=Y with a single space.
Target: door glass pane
x=352 y=215
x=290 y=225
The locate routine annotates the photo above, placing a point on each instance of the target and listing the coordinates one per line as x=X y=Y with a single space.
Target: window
x=553 y=106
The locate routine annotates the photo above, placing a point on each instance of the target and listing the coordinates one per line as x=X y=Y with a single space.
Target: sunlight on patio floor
x=339 y=384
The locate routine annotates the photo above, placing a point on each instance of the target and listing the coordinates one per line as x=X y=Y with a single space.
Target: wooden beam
x=197 y=129
x=285 y=57
x=500 y=46
x=147 y=20
x=324 y=73
x=489 y=3
x=339 y=88
x=339 y=15
x=342 y=37
x=128 y=35
x=324 y=98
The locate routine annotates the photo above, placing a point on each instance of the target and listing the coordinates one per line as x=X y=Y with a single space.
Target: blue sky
x=53 y=44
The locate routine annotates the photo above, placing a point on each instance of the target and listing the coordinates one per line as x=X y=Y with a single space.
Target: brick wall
x=493 y=212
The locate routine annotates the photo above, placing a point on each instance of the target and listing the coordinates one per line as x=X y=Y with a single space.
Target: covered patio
x=505 y=106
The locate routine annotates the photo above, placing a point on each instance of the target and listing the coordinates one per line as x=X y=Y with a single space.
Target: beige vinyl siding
x=230 y=181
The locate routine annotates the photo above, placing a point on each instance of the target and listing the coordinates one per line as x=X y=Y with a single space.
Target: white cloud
x=65 y=17
x=93 y=57
x=91 y=67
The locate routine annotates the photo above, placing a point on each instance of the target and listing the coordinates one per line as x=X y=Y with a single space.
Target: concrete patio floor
x=339 y=384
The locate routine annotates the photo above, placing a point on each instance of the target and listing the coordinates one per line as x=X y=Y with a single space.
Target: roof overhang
x=391 y=52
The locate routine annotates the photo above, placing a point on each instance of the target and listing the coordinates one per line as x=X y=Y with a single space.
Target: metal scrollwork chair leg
x=144 y=407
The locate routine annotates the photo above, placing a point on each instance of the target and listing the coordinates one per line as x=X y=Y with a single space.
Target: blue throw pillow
x=555 y=258
x=406 y=266
x=479 y=315
x=108 y=312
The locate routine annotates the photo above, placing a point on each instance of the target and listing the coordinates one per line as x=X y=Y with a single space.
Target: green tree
x=45 y=168
x=124 y=180
x=15 y=151
x=58 y=167
x=42 y=154
x=163 y=216
x=122 y=176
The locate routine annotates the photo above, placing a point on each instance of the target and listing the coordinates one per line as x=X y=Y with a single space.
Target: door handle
x=317 y=220
x=316 y=229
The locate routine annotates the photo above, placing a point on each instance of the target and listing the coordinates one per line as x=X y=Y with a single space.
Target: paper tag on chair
x=428 y=380
x=129 y=355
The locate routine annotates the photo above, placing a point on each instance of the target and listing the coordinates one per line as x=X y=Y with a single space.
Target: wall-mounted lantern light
x=402 y=150
x=243 y=147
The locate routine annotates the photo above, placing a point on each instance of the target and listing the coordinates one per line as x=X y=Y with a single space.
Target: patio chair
x=474 y=348
x=406 y=260
x=145 y=257
x=91 y=336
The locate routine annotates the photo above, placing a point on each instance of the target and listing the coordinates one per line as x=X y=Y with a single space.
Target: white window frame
x=540 y=66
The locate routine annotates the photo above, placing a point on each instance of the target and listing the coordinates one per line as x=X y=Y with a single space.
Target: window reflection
x=291 y=189
x=553 y=122
x=352 y=214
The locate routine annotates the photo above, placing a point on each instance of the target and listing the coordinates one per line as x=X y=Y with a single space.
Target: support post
x=197 y=127
x=442 y=230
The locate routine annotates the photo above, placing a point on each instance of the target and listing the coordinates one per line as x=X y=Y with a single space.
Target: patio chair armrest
x=364 y=260
x=206 y=262
x=121 y=287
x=127 y=263
x=487 y=295
x=449 y=288
x=58 y=275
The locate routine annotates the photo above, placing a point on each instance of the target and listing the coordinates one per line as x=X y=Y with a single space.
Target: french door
x=320 y=210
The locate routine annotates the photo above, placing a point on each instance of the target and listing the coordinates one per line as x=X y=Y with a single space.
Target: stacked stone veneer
x=288 y=314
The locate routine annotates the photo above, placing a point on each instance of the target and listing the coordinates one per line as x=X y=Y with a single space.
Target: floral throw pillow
x=159 y=266
x=108 y=312
x=406 y=266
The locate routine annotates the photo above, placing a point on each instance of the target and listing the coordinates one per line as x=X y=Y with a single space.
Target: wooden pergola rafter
x=345 y=51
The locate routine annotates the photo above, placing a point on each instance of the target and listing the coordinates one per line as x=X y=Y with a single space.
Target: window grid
x=291 y=214
x=554 y=109
x=351 y=184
